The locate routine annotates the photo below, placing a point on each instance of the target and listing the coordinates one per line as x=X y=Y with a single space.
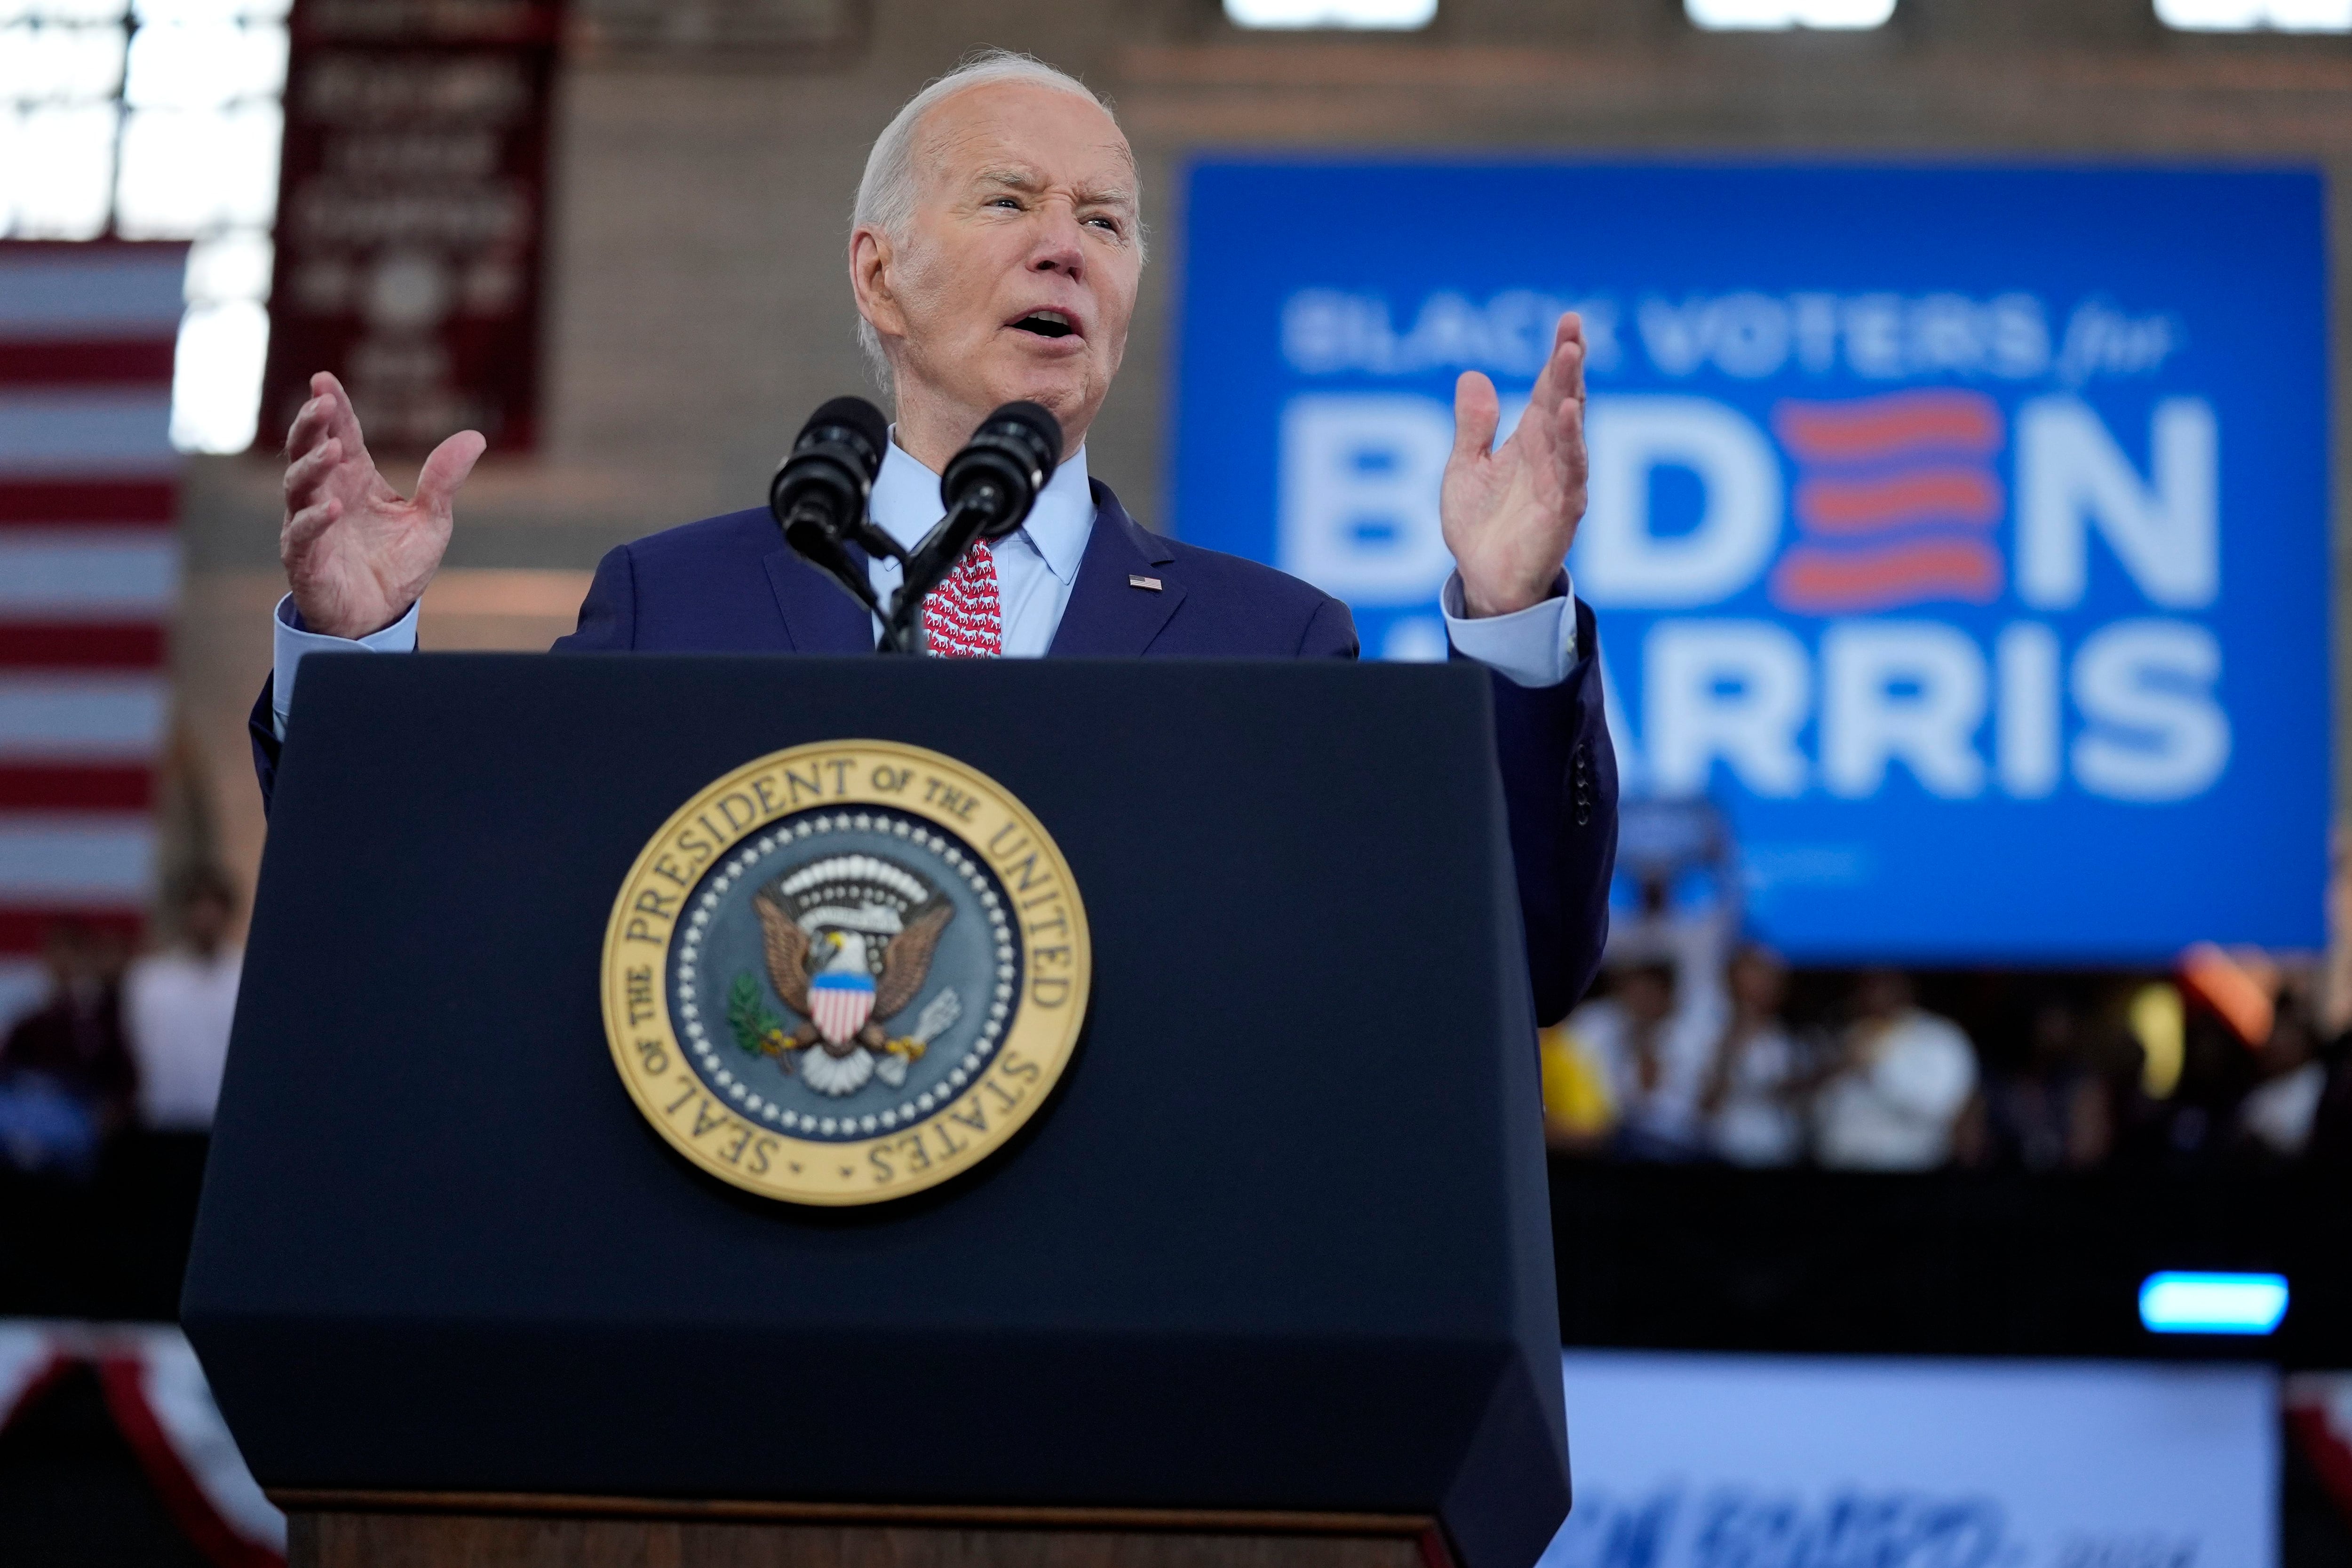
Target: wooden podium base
x=407 y=1530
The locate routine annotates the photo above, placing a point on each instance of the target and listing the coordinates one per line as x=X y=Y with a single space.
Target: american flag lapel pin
x=1135 y=580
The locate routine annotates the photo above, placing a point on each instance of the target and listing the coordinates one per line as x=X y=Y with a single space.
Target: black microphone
x=1002 y=468
x=818 y=497
x=988 y=488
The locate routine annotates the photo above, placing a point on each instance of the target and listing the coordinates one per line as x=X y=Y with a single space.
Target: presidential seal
x=845 y=972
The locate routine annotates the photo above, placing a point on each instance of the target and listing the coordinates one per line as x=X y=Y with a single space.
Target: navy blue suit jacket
x=729 y=584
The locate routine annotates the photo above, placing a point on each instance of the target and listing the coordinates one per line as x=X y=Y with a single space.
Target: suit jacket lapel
x=1108 y=616
x=818 y=617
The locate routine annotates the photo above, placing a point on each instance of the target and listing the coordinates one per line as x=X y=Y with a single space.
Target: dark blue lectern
x=1274 y=1263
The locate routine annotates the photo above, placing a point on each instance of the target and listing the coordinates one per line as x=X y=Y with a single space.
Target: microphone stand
x=806 y=532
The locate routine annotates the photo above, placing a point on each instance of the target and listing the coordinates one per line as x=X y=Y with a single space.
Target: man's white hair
x=887 y=194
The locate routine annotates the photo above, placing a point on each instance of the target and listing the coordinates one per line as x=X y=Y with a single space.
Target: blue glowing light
x=2176 y=1303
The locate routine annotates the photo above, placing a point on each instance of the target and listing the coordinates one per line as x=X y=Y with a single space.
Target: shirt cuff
x=1533 y=646
x=292 y=642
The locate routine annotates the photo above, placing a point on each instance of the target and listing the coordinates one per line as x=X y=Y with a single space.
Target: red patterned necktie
x=964 y=618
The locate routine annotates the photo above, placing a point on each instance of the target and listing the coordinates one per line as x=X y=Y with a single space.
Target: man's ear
x=871 y=256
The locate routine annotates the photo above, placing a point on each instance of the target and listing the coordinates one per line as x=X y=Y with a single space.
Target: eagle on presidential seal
x=848 y=942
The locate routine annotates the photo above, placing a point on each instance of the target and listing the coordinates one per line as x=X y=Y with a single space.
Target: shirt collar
x=905 y=505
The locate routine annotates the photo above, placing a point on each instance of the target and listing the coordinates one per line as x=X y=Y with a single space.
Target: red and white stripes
x=2319 y=1413
x=155 y=1389
x=89 y=577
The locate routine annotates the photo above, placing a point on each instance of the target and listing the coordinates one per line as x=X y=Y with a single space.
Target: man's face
x=1882 y=993
x=65 y=952
x=207 y=920
x=1647 y=995
x=1758 y=984
x=1017 y=276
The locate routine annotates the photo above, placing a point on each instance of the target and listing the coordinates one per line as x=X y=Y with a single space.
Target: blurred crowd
x=122 y=1041
x=1699 y=1047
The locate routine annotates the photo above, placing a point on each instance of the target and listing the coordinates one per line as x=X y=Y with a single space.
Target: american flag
x=89 y=575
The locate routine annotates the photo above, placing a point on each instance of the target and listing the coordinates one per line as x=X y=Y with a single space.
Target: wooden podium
x=357 y=1530
x=1268 y=1280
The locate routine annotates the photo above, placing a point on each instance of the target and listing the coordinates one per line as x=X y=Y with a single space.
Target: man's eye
x=1012 y=201
x=1108 y=225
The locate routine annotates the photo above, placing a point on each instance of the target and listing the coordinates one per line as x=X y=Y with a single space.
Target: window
x=1733 y=15
x=1389 y=15
x=2254 y=16
x=157 y=120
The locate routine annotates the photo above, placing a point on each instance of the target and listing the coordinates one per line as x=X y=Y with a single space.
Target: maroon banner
x=412 y=207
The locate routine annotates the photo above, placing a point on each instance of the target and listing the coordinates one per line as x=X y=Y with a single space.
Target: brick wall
x=699 y=306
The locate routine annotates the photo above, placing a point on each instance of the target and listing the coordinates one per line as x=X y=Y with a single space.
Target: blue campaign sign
x=1962 y=531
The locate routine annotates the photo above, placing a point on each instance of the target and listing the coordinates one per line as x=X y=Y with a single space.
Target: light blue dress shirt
x=1036 y=567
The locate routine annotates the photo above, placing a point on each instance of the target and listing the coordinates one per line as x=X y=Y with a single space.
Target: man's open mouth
x=1046 y=324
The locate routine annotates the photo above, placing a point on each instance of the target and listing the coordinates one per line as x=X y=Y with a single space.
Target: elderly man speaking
x=995 y=255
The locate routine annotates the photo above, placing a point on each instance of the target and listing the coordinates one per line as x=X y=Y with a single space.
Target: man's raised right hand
x=357 y=554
